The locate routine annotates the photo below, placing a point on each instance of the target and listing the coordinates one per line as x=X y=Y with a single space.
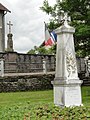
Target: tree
x=43 y=50
x=79 y=11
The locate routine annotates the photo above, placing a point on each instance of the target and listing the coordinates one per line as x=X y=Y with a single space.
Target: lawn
x=86 y=96
x=23 y=105
x=7 y=99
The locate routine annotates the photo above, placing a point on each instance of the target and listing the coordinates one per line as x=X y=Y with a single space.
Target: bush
x=57 y=113
x=30 y=111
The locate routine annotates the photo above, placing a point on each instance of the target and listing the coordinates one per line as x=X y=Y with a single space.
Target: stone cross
x=9 y=24
x=65 y=18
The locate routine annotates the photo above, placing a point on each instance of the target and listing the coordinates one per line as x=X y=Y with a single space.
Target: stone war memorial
x=67 y=90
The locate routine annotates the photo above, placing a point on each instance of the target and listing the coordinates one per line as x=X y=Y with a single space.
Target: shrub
x=30 y=111
x=56 y=113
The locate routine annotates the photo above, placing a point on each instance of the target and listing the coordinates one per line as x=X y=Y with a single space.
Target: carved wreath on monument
x=70 y=63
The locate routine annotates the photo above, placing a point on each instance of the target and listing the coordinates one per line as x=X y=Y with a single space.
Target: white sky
x=28 y=23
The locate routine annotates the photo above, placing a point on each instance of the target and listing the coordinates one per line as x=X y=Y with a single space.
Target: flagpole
x=44 y=30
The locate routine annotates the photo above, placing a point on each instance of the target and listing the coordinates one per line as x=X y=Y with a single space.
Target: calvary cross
x=9 y=24
x=65 y=18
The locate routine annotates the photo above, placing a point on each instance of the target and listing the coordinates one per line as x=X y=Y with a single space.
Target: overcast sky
x=28 y=23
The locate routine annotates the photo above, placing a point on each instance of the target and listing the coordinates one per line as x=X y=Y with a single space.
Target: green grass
x=22 y=105
x=23 y=97
x=86 y=98
x=86 y=95
x=37 y=96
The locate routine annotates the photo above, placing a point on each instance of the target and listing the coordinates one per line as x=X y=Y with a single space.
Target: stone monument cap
x=65 y=27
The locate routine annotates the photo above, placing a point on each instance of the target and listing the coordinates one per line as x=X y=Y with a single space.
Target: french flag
x=50 y=38
x=54 y=36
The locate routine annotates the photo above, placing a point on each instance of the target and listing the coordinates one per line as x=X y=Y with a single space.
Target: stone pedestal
x=67 y=91
x=10 y=43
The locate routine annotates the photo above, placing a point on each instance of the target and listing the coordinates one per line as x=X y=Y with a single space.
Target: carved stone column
x=67 y=90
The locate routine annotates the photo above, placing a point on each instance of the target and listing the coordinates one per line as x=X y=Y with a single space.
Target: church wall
x=1 y=14
x=2 y=32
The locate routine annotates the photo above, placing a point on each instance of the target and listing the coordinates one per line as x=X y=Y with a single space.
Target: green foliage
x=47 y=8
x=79 y=11
x=32 y=51
x=57 y=113
x=43 y=50
x=42 y=112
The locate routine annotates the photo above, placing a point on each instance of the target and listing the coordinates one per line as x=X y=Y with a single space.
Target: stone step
x=86 y=84
x=86 y=81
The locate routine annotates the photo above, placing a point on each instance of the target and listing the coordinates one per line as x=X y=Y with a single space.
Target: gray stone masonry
x=26 y=82
x=26 y=63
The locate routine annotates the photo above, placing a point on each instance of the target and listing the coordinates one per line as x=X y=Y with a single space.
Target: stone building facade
x=3 y=11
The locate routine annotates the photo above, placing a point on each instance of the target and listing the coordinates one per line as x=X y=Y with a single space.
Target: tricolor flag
x=50 y=38
x=54 y=36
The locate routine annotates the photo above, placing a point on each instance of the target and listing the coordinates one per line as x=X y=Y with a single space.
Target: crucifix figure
x=9 y=24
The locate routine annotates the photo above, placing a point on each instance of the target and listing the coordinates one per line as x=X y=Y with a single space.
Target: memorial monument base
x=67 y=92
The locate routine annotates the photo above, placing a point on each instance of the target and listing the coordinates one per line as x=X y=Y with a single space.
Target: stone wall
x=26 y=83
x=26 y=63
x=23 y=63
